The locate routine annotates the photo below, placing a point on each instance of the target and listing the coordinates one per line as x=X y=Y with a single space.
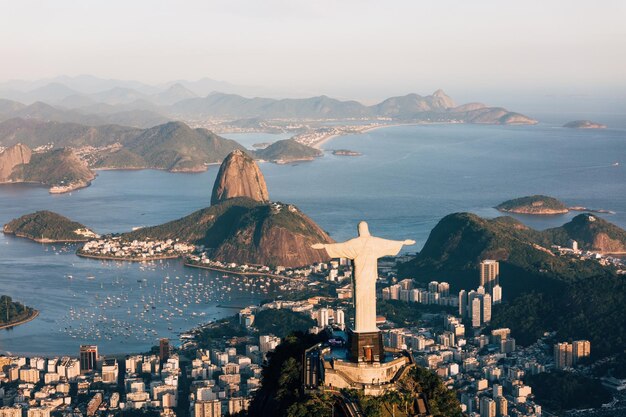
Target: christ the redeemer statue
x=364 y=251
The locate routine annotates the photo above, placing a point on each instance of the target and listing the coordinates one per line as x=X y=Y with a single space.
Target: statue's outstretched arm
x=337 y=250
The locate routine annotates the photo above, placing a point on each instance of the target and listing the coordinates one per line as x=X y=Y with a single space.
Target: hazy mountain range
x=93 y=101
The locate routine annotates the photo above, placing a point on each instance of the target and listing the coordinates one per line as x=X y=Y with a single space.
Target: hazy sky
x=476 y=50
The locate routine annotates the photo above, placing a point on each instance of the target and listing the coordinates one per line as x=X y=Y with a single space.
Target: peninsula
x=13 y=313
x=241 y=225
x=61 y=169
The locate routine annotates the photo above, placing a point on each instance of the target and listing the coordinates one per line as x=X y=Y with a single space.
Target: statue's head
x=364 y=230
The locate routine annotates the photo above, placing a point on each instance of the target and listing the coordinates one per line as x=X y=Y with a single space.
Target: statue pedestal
x=365 y=347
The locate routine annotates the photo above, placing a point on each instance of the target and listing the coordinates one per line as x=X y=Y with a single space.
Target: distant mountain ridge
x=173 y=146
x=437 y=107
x=184 y=99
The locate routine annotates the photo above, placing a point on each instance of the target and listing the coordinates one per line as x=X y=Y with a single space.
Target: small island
x=534 y=204
x=261 y=145
x=48 y=227
x=584 y=124
x=346 y=152
x=13 y=313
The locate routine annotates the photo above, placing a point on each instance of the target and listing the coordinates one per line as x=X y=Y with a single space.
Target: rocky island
x=346 y=152
x=534 y=204
x=584 y=124
x=288 y=151
x=48 y=227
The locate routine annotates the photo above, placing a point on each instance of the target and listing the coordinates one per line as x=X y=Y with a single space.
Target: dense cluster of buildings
x=37 y=386
x=115 y=247
x=437 y=293
x=572 y=249
x=203 y=260
x=486 y=370
x=223 y=381
x=568 y=355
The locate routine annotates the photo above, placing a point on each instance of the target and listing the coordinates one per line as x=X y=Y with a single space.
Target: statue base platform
x=330 y=366
x=374 y=378
x=365 y=347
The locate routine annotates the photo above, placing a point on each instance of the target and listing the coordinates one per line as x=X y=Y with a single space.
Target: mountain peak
x=239 y=176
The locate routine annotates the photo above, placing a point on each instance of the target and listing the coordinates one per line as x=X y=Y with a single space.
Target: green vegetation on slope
x=287 y=150
x=591 y=232
x=46 y=226
x=282 y=379
x=460 y=241
x=57 y=167
x=242 y=230
x=12 y=311
x=588 y=309
x=534 y=204
x=407 y=314
x=173 y=146
x=215 y=333
x=580 y=299
x=419 y=382
x=558 y=391
x=282 y=322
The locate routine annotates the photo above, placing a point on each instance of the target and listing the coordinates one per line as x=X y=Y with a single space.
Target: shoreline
x=31 y=317
x=38 y=240
x=226 y=271
x=114 y=258
x=319 y=143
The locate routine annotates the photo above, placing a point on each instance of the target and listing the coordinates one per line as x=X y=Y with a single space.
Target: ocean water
x=407 y=179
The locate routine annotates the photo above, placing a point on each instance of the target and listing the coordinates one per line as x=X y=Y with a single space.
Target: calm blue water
x=407 y=179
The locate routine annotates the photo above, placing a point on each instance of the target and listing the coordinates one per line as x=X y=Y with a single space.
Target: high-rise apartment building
x=486 y=317
x=462 y=303
x=580 y=349
x=476 y=311
x=88 y=357
x=563 y=355
x=502 y=406
x=164 y=349
x=489 y=274
x=340 y=317
x=212 y=408
x=322 y=317
x=496 y=294
x=487 y=407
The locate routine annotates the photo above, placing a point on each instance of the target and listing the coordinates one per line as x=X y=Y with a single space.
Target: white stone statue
x=364 y=251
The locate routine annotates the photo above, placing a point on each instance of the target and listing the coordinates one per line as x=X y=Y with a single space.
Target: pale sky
x=475 y=50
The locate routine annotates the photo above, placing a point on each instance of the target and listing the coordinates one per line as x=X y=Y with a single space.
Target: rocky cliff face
x=15 y=155
x=239 y=176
